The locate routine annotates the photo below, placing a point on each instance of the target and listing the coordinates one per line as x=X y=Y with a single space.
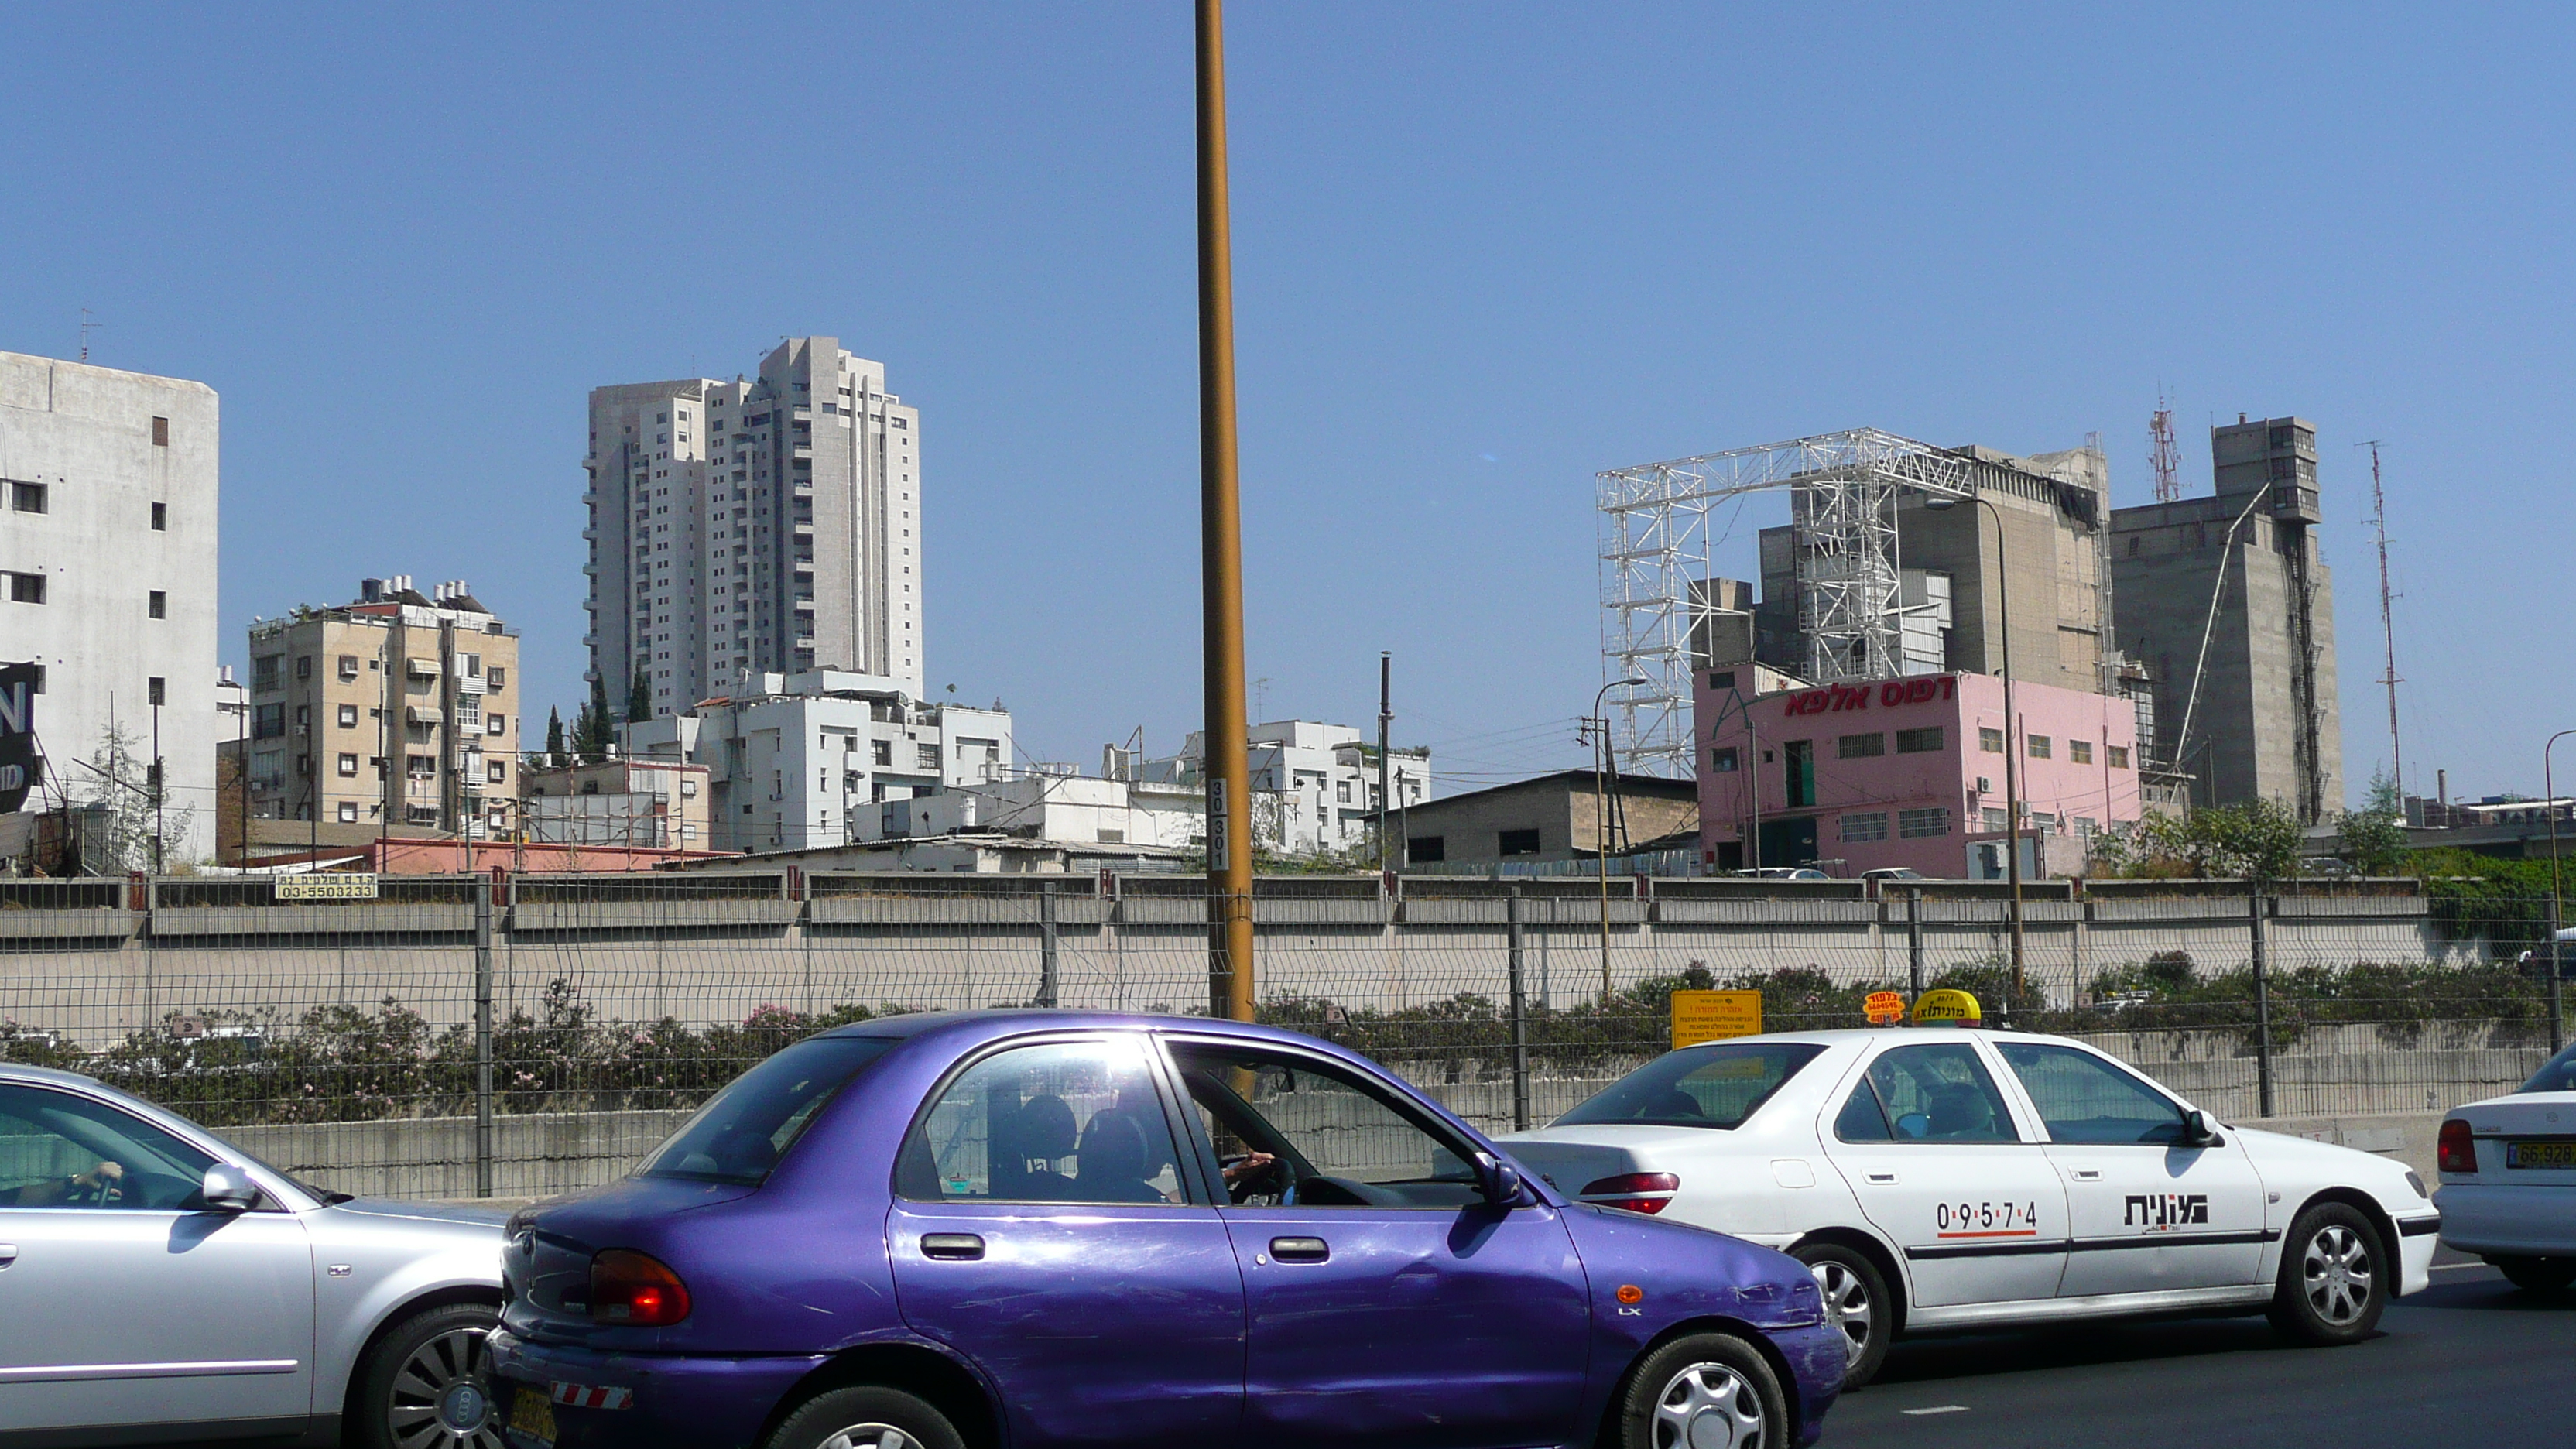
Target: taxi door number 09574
x=1964 y=1215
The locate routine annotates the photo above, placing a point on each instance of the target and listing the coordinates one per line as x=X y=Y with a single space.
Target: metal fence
x=534 y=1034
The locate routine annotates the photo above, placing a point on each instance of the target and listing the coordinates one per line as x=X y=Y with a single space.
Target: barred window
x=1990 y=740
x=1925 y=741
x=2038 y=747
x=1872 y=826
x=1996 y=821
x=2080 y=751
x=1923 y=824
x=1861 y=747
x=1724 y=761
x=2119 y=757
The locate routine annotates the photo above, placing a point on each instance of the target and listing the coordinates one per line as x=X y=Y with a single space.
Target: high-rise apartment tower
x=770 y=525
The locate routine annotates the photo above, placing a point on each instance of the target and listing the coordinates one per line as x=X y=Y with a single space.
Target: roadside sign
x=327 y=885
x=1700 y=1016
x=1884 y=1008
x=1947 y=1005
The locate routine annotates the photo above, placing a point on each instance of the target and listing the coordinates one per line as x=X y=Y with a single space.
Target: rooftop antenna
x=2387 y=619
x=2162 y=456
x=89 y=324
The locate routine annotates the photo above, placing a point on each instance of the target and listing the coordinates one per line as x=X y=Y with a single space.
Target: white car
x=1941 y=1178
x=2508 y=1168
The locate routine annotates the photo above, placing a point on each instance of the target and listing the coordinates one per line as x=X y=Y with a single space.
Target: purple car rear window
x=743 y=1132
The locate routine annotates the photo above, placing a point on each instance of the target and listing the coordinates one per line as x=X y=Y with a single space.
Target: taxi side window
x=1862 y=1119
x=2083 y=1098
x=1076 y=1122
x=1940 y=1092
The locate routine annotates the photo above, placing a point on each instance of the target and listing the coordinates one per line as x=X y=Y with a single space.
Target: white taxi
x=1938 y=1178
x=2508 y=1167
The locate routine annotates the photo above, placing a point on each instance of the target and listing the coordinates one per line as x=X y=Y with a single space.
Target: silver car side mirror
x=228 y=1189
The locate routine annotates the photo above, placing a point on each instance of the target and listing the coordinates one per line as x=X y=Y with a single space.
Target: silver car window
x=62 y=1150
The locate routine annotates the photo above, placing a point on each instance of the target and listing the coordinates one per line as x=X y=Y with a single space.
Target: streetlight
x=1601 y=817
x=2012 y=746
x=2549 y=808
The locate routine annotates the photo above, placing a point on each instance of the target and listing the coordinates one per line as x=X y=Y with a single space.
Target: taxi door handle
x=1300 y=1250
x=2087 y=1174
x=952 y=1247
x=1882 y=1179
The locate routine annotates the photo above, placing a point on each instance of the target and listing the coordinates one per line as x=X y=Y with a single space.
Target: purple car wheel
x=866 y=1418
x=1704 y=1391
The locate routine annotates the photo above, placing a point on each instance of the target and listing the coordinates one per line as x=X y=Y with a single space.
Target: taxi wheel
x=1855 y=1301
x=2538 y=1275
x=423 y=1385
x=866 y=1418
x=1704 y=1391
x=2334 y=1277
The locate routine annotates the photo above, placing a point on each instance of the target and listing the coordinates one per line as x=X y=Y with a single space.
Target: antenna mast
x=2162 y=456
x=2387 y=621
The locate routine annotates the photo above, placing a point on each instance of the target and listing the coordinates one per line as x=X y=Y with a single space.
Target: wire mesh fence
x=535 y=1034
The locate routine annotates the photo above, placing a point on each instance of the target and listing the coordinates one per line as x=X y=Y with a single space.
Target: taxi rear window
x=1704 y=1086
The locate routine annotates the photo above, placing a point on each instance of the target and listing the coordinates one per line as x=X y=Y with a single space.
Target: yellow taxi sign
x=1700 y=1016
x=1884 y=1008
x=1946 y=1005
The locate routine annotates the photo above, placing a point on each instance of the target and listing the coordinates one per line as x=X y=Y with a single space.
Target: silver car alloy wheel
x=2334 y=1272
x=871 y=1436
x=1709 y=1406
x=440 y=1400
x=1847 y=1305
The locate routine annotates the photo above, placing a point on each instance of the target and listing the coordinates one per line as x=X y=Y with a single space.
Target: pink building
x=1908 y=772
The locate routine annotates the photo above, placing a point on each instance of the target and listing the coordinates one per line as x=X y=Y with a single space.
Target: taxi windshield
x=740 y=1135
x=1718 y=1085
x=2558 y=1074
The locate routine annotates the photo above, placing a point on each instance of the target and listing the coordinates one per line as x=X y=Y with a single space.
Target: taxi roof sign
x=1884 y=1008
x=1946 y=1005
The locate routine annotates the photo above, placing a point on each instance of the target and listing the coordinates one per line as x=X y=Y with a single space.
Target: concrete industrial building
x=108 y=490
x=1550 y=818
x=1325 y=776
x=396 y=712
x=770 y=526
x=631 y=803
x=2265 y=723
x=822 y=757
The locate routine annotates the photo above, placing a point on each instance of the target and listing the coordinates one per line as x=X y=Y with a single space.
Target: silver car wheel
x=2334 y=1273
x=440 y=1400
x=1708 y=1406
x=871 y=1436
x=1847 y=1305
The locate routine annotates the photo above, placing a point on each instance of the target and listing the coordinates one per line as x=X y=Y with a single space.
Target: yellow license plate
x=2559 y=1156
x=532 y=1420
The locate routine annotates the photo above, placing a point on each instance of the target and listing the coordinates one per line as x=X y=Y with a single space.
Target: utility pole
x=1385 y=789
x=1228 y=766
x=2387 y=625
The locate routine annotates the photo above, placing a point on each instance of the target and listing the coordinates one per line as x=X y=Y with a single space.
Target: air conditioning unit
x=1985 y=786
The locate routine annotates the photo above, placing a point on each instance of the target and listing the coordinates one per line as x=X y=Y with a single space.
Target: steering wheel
x=102 y=1191
x=1269 y=1181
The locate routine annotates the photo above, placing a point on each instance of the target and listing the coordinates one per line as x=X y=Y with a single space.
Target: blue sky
x=1482 y=252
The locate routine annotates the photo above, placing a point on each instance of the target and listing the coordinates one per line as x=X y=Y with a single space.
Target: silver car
x=158 y=1284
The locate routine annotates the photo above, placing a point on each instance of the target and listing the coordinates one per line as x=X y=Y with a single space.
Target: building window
x=1725 y=679
x=1426 y=848
x=27 y=497
x=497 y=771
x=348 y=812
x=348 y=716
x=1861 y=747
x=263 y=671
x=1990 y=740
x=160 y=432
x=268 y=722
x=2079 y=751
x=160 y=517
x=349 y=766
x=1925 y=741
x=304 y=666
x=2119 y=757
x=421 y=767
x=1872 y=826
x=155 y=692
x=1724 y=761
x=348 y=668
x=26 y=588
x=494 y=724
x=1517 y=842
x=1996 y=821
x=926 y=757
x=495 y=678
x=688 y=789
x=157 y=604
x=1344 y=789
x=2039 y=746
x=1923 y=824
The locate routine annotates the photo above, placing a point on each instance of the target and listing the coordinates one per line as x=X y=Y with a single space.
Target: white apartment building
x=800 y=761
x=1071 y=809
x=770 y=526
x=1325 y=774
x=107 y=572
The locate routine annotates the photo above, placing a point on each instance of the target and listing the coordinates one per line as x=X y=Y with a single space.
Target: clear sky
x=1482 y=251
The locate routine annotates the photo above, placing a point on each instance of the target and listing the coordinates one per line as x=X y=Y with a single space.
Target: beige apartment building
x=394 y=714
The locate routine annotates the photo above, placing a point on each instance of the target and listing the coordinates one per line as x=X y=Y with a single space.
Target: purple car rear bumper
x=721 y=1403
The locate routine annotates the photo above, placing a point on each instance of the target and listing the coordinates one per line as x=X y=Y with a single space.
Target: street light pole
x=2557 y=908
x=1601 y=816
x=2012 y=742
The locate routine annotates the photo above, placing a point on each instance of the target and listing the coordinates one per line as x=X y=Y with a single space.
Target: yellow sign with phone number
x=1700 y=1016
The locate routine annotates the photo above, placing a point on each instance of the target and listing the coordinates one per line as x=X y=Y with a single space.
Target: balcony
x=421 y=668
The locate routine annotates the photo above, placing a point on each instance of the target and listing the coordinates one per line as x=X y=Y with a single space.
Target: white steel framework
x=1655 y=564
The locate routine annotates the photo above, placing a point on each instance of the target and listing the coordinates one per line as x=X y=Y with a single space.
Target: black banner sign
x=21 y=768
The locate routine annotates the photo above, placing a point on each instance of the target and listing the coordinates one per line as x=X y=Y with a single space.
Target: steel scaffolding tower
x=1655 y=567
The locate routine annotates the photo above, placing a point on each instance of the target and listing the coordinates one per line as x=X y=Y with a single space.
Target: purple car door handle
x=1300 y=1250
x=952 y=1247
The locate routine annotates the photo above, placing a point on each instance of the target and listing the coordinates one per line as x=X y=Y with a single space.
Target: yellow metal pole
x=1229 y=832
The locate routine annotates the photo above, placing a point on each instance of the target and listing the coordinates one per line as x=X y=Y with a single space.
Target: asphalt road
x=2468 y=1361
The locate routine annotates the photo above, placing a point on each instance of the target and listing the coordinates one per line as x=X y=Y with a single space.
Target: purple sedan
x=1061 y=1228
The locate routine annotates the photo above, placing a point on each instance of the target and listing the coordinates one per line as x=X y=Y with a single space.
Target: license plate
x=532 y=1420
x=2558 y=1156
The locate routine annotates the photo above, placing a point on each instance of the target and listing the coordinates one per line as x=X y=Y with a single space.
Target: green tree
x=2259 y=839
x=593 y=728
x=639 y=698
x=125 y=831
x=2374 y=837
x=555 y=740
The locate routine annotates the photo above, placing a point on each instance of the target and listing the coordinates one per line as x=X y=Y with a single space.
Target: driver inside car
x=101 y=1186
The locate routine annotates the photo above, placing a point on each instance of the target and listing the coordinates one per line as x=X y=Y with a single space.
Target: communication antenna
x=2162 y=456
x=2387 y=619
x=89 y=324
